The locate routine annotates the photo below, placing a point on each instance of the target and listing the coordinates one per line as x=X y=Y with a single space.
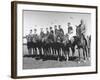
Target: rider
x=55 y=29
x=35 y=38
x=71 y=32
x=60 y=30
x=51 y=35
x=70 y=29
x=60 y=33
x=47 y=32
x=42 y=34
x=41 y=44
x=29 y=42
x=51 y=39
x=81 y=29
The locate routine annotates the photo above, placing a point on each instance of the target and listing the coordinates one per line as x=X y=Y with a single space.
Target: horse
x=81 y=43
x=65 y=47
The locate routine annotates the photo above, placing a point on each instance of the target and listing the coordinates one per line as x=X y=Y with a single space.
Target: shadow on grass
x=51 y=57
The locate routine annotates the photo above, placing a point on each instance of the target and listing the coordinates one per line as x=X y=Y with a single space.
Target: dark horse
x=81 y=43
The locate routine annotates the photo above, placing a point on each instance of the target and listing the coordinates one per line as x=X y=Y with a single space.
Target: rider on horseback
x=29 y=38
x=35 y=38
x=81 y=40
x=81 y=29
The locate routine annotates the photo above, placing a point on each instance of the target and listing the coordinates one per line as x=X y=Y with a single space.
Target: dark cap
x=30 y=29
x=50 y=27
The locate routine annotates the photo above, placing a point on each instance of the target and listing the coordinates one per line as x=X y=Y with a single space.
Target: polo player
x=51 y=40
x=29 y=42
x=41 y=44
x=71 y=34
x=82 y=43
x=66 y=46
x=81 y=29
x=35 y=38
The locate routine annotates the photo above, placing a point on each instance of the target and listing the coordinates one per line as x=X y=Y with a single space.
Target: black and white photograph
x=53 y=39
x=56 y=39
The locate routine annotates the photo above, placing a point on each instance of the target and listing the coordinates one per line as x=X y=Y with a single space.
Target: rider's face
x=68 y=24
x=59 y=27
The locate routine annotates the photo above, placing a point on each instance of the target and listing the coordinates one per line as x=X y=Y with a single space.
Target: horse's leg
x=44 y=51
x=37 y=51
x=47 y=51
x=51 y=51
x=79 y=55
x=61 y=52
x=86 y=49
x=87 y=55
x=54 y=51
x=58 y=54
x=33 y=49
x=29 y=51
x=41 y=52
x=64 y=53
x=88 y=52
x=73 y=50
x=84 y=54
x=67 y=55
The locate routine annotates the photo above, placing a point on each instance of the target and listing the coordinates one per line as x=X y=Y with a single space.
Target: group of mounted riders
x=57 y=43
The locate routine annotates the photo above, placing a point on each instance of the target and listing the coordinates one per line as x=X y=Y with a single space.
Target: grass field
x=30 y=62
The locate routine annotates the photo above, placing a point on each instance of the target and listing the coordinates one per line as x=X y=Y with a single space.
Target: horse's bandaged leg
x=42 y=51
x=37 y=51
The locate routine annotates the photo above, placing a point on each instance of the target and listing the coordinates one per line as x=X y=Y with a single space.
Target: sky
x=43 y=19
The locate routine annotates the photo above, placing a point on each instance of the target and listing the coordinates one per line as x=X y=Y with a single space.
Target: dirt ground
x=35 y=62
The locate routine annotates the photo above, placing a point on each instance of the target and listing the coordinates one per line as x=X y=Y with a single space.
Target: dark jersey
x=42 y=34
x=47 y=33
x=51 y=32
x=51 y=36
x=56 y=31
x=80 y=30
x=29 y=38
x=60 y=34
x=35 y=37
x=61 y=31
